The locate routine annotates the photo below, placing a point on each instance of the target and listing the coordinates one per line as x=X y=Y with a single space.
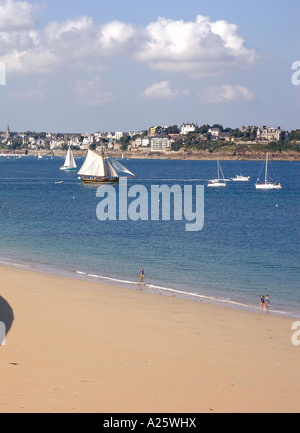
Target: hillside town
x=158 y=140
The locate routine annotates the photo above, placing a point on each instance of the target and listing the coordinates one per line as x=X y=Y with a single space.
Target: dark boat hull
x=100 y=179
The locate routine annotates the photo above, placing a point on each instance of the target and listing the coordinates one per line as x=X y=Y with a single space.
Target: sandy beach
x=81 y=346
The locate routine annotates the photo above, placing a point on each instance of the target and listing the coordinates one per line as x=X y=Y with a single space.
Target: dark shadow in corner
x=6 y=316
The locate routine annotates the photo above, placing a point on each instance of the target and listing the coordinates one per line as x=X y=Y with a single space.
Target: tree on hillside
x=172 y=129
x=295 y=134
x=204 y=129
x=218 y=126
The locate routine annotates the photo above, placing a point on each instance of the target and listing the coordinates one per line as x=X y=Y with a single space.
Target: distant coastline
x=180 y=155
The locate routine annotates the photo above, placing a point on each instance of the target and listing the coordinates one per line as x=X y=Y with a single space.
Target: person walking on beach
x=262 y=303
x=142 y=274
x=267 y=303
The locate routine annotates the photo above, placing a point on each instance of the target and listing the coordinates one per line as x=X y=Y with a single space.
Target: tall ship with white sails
x=99 y=169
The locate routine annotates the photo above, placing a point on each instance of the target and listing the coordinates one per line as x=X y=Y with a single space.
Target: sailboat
x=267 y=184
x=70 y=163
x=217 y=182
x=99 y=169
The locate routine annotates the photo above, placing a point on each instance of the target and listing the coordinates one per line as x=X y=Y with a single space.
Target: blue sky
x=126 y=65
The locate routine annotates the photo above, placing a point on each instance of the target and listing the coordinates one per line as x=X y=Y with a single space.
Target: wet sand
x=81 y=346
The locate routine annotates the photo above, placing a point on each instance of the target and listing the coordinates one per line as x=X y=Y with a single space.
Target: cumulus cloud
x=65 y=43
x=193 y=47
x=160 y=90
x=16 y=15
x=227 y=93
x=35 y=60
x=115 y=37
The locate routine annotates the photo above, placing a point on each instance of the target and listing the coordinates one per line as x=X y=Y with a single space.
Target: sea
x=248 y=245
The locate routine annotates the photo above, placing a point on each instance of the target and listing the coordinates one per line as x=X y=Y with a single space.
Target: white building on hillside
x=187 y=127
x=215 y=132
x=118 y=135
x=142 y=141
x=160 y=143
x=271 y=134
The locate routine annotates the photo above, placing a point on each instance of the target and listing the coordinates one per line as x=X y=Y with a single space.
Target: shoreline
x=71 y=348
x=173 y=155
x=147 y=287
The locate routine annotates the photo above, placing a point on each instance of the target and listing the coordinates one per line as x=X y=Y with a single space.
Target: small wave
x=102 y=277
x=2 y=262
x=181 y=293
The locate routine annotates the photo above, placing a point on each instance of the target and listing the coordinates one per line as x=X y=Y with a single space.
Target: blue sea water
x=248 y=247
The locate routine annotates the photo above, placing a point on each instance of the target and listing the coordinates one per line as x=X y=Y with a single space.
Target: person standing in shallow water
x=142 y=274
x=262 y=302
x=267 y=303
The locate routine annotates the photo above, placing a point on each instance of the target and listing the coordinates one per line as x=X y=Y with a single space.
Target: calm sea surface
x=249 y=245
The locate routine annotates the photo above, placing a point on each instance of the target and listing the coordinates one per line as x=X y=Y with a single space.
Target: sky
x=79 y=66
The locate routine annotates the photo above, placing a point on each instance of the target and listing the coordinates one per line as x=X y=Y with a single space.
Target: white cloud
x=227 y=93
x=232 y=41
x=90 y=92
x=71 y=38
x=33 y=61
x=16 y=15
x=115 y=36
x=160 y=90
x=193 y=47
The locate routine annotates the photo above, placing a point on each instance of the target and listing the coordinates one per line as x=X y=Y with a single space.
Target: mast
x=266 y=171
x=104 y=166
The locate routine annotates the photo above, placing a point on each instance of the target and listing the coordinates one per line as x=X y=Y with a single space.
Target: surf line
x=156 y=207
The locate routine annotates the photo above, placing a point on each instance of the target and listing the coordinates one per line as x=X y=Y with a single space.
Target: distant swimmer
x=142 y=274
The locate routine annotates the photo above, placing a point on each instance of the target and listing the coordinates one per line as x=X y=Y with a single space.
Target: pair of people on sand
x=265 y=303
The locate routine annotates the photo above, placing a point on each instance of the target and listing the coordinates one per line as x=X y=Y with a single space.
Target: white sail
x=70 y=161
x=110 y=171
x=98 y=169
x=93 y=165
x=119 y=167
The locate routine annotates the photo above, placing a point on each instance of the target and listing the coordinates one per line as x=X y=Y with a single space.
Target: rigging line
x=260 y=173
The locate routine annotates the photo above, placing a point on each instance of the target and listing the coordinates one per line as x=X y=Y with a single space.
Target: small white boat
x=240 y=178
x=217 y=183
x=267 y=184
